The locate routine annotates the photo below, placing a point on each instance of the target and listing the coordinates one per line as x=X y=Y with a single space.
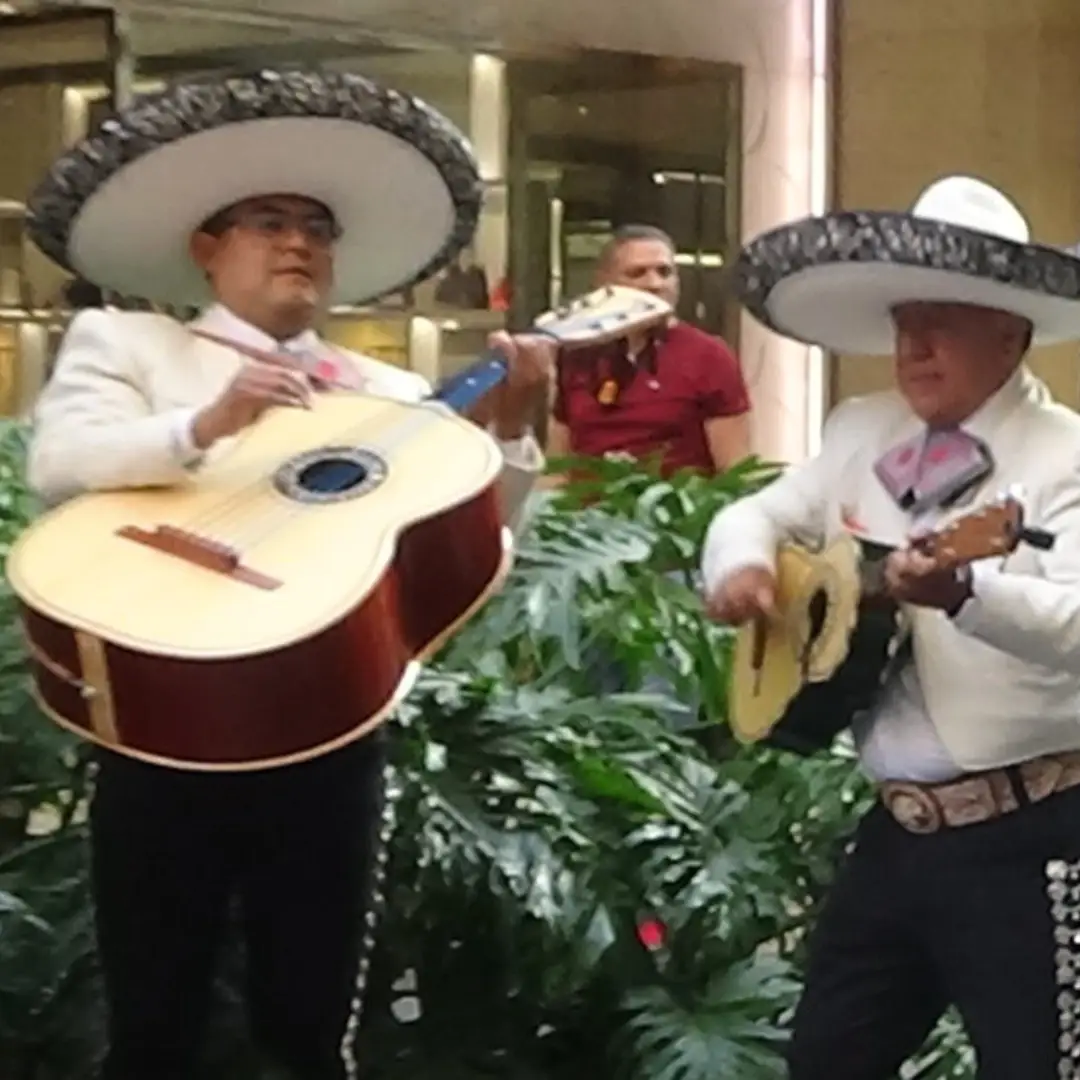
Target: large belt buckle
x=914 y=808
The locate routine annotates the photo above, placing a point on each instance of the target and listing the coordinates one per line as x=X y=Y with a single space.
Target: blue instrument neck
x=463 y=390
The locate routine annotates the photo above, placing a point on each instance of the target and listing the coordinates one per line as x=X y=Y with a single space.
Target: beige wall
x=987 y=87
x=31 y=135
x=30 y=132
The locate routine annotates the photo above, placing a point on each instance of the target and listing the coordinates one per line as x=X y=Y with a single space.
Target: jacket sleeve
x=93 y=428
x=523 y=462
x=1035 y=617
x=792 y=508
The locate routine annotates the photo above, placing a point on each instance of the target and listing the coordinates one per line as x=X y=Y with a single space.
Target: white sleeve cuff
x=975 y=611
x=183 y=438
x=735 y=541
x=716 y=570
x=523 y=453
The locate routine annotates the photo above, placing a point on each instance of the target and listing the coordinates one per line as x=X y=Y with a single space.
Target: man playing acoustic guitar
x=963 y=887
x=269 y=195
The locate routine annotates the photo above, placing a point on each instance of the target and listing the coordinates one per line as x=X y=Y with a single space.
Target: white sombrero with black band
x=120 y=207
x=834 y=280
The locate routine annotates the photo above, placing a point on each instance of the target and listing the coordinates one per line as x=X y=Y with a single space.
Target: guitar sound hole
x=330 y=474
x=818 y=609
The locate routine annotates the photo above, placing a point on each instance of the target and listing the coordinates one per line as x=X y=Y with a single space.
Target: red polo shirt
x=663 y=400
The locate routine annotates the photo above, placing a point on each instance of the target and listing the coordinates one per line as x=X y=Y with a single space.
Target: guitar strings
x=258 y=531
x=280 y=514
x=243 y=496
x=253 y=533
x=277 y=516
x=256 y=487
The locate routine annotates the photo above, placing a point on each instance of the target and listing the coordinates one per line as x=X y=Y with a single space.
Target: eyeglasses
x=317 y=228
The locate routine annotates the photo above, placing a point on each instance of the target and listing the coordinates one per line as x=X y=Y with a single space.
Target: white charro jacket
x=117 y=410
x=1001 y=681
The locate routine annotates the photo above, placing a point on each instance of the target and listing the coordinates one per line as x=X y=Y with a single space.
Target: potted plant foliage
x=586 y=879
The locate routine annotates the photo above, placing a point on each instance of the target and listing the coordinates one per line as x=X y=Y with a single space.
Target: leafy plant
x=577 y=886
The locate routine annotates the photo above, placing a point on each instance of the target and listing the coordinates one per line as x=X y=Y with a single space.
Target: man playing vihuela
x=260 y=199
x=963 y=884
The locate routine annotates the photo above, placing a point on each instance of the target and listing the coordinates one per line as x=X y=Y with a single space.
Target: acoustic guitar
x=800 y=678
x=276 y=605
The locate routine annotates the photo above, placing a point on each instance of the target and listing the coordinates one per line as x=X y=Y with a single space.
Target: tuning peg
x=1042 y=539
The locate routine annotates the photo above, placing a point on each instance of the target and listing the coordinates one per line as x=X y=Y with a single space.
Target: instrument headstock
x=603 y=315
x=996 y=529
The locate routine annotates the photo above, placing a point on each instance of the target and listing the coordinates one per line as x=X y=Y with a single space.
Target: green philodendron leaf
x=599 y=779
x=698 y=1040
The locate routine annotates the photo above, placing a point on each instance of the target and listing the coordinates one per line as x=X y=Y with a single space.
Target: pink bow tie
x=933 y=469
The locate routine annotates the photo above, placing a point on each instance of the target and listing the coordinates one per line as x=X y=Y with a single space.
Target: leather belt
x=926 y=808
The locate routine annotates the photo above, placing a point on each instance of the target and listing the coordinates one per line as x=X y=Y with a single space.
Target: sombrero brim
x=119 y=209
x=834 y=280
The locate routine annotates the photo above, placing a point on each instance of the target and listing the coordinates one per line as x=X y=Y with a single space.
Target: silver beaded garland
x=391 y=792
x=1063 y=890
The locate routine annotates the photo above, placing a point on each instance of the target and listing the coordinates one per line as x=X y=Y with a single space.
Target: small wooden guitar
x=801 y=678
x=276 y=605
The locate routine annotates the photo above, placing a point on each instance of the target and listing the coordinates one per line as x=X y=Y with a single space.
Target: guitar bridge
x=199 y=551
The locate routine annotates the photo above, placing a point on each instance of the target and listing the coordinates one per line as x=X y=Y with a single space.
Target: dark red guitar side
x=298 y=702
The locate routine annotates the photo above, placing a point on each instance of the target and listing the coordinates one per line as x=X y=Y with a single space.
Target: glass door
x=600 y=140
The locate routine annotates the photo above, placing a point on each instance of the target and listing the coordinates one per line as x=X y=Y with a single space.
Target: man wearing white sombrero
x=260 y=198
x=963 y=887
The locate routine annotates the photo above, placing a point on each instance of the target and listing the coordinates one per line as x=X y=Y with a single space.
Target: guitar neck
x=462 y=391
x=605 y=314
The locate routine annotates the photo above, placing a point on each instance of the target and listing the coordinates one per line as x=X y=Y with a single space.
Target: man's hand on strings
x=256 y=388
x=743 y=596
x=914 y=578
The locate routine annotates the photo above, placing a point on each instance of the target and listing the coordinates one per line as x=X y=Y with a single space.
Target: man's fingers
x=910 y=563
x=764 y=600
x=894 y=569
x=738 y=607
x=922 y=564
x=503 y=343
x=289 y=398
x=267 y=374
x=279 y=388
x=715 y=609
x=721 y=608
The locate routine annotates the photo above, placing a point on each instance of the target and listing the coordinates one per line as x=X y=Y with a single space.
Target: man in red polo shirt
x=679 y=393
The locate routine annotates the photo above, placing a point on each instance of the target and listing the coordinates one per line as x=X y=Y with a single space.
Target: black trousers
x=173 y=850
x=984 y=917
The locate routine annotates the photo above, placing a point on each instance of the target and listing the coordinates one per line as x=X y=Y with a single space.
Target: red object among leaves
x=652 y=934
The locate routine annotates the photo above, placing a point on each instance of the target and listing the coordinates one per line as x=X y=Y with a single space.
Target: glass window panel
x=620 y=139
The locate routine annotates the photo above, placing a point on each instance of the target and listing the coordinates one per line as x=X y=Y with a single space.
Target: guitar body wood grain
x=160 y=658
